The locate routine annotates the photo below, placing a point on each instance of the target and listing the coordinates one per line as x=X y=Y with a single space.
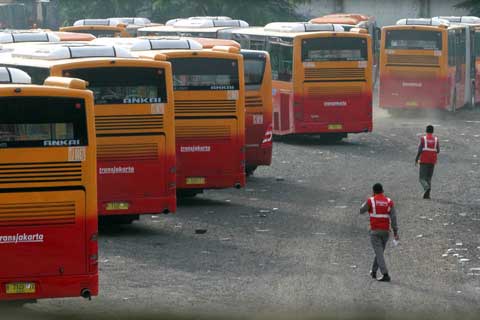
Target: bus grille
x=186 y=107
x=202 y=132
x=122 y=151
x=39 y=213
x=129 y=124
x=407 y=74
x=253 y=102
x=393 y=59
x=328 y=91
x=27 y=173
x=335 y=74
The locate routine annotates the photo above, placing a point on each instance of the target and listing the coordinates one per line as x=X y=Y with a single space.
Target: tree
x=253 y=11
x=472 y=5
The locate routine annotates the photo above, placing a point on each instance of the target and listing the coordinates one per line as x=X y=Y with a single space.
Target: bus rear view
x=48 y=206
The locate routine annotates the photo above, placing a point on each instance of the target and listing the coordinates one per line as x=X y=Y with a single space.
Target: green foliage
x=255 y=12
x=472 y=5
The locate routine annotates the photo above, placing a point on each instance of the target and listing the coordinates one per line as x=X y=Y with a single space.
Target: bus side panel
x=210 y=154
x=477 y=81
x=258 y=124
x=282 y=95
x=43 y=239
x=135 y=172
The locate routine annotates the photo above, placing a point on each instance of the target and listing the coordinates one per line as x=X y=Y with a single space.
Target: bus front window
x=334 y=49
x=413 y=40
x=282 y=61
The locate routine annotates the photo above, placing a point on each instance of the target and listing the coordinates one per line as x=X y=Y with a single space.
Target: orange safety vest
x=379 y=208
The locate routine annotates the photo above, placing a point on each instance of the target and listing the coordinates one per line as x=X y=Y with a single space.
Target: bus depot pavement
x=293 y=243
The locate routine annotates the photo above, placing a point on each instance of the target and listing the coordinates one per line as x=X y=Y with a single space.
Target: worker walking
x=428 y=150
x=382 y=214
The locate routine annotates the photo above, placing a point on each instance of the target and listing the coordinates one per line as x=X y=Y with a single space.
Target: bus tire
x=249 y=170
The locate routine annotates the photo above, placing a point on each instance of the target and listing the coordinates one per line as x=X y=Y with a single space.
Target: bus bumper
x=333 y=127
x=52 y=287
x=134 y=206
x=212 y=181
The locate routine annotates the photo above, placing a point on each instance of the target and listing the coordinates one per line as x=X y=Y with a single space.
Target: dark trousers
x=379 y=241
x=426 y=174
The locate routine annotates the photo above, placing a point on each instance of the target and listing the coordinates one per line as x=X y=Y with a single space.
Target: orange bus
x=202 y=27
x=209 y=93
x=100 y=28
x=48 y=190
x=258 y=103
x=426 y=64
x=322 y=76
x=134 y=122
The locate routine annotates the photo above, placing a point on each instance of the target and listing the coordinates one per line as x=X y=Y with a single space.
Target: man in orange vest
x=382 y=214
x=428 y=150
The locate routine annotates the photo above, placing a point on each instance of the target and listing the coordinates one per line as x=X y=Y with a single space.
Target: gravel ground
x=292 y=244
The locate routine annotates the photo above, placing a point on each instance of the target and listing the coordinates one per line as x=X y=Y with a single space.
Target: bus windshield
x=205 y=74
x=123 y=85
x=27 y=122
x=334 y=49
x=254 y=70
x=414 y=40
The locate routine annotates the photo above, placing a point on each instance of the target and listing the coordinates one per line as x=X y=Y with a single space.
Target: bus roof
x=209 y=23
x=27 y=36
x=147 y=44
x=262 y=32
x=172 y=21
x=423 y=22
x=97 y=22
x=74 y=36
x=209 y=43
x=70 y=51
x=460 y=19
x=138 y=21
x=13 y=75
x=343 y=18
x=302 y=27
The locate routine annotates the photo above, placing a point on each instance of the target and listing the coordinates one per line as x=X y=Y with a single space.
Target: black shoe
x=385 y=278
x=373 y=274
x=426 y=195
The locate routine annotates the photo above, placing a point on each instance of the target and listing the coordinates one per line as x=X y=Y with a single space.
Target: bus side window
x=282 y=61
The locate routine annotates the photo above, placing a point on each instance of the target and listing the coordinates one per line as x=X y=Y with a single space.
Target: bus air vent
x=417 y=60
x=46 y=174
x=38 y=213
x=124 y=152
x=356 y=74
x=188 y=107
x=253 y=102
x=128 y=124
x=202 y=132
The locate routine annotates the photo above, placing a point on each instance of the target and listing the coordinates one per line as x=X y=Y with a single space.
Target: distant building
x=387 y=12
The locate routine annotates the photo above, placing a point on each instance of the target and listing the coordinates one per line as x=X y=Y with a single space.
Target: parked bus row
x=151 y=117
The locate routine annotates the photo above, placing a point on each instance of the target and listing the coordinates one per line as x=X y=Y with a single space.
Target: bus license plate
x=335 y=127
x=117 y=206
x=196 y=180
x=412 y=104
x=20 y=288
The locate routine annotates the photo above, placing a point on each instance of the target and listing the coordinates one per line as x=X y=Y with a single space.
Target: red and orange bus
x=322 y=76
x=134 y=118
x=426 y=64
x=258 y=103
x=209 y=91
x=48 y=190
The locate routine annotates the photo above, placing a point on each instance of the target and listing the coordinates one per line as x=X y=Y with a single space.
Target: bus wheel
x=249 y=170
